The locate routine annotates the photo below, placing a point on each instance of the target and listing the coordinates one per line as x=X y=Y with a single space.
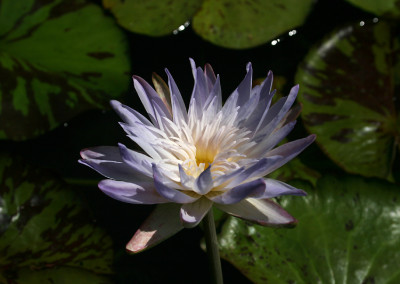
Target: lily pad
x=348 y=90
x=152 y=17
x=57 y=59
x=348 y=232
x=44 y=223
x=245 y=24
x=386 y=8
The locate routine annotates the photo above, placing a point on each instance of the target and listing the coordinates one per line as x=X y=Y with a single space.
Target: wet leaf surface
x=348 y=232
x=57 y=59
x=152 y=17
x=349 y=86
x=244 y=24
x=386 y=8
x=44 y=223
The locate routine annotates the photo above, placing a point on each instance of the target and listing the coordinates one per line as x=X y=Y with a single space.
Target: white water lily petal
x=248 y=108
x=192 y=213
x=255 y=171
x=276 y=113
x=210 y=77
x=261 y=211
x=130 y=116
x=141 y=192
x=274 y=188
x=209 y=154
x=289 y=150
x=244 y=87
x=240 y=192
x=149 y=99
x=200 y=91
x=107 y=161
x=267 y=142
x=167 y=192
x=222 y=180
x=139 y=162
x=178 y=105
x=261 y=110
x=147 y=147
x=187 y=181
x=216 y=92
x=204 y=182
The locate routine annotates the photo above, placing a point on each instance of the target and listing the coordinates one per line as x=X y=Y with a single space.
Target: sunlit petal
x=261 y=211
x=163 y=223
x=192 y=213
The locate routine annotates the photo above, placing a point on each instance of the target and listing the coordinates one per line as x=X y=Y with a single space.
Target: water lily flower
x=211 y=155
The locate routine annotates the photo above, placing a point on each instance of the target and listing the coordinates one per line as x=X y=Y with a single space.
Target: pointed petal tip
x=138 y=243
x=122 y=148
x=82 y=153
x=114 y=103
x=137 y=80
x=162 y=224
x=301 y=192
x=295 y=88
x=167 y=72
x=291 y=223
x=249 y=66
x=311 y=138
x=90 y=153
x=133 y=250
x=192 y=63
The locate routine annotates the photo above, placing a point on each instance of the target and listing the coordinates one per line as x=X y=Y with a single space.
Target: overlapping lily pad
x=348 y=90
x=152 y=17
x=232 y=24
x=386 y=8
x=44 y=223
x=244 y=24
x=348 y=232
x=57 y=59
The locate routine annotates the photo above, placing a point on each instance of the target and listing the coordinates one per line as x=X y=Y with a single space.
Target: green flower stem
x=212 y=248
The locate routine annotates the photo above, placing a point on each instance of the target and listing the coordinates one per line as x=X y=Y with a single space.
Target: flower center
x=204 y=157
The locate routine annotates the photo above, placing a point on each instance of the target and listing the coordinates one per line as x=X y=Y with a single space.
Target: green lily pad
x=388 y=8
x=152 y=17
x=348 y=85
x=44 y=223
x=62 y=275
x=245 y=24
x=348 y=232
x=57 y=59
